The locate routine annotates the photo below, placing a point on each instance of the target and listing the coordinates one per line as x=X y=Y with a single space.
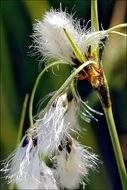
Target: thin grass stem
x=118 y=33
x=94 y=27
x=119 y=26
x=116 y=146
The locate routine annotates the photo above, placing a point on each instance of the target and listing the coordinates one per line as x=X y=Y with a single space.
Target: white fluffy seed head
x=50 y=40
x=20 y=166
x=51 y=127
x=60 y=119
x=24 y=167
x=71 y=117
x=73 y=163
x=49 y=36
x=54 y=124
x=47 y=178
x=20 y=161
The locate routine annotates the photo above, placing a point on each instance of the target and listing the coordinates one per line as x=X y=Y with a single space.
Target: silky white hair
x=25 y=168
x=58 y=120
x=50 y=40
x=72 y=164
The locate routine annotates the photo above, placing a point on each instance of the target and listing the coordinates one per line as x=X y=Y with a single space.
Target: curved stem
x=118 y=33
x=35 y=87
x=116 y=146
x=117 y=27
x=66 y=83
x=98 y=35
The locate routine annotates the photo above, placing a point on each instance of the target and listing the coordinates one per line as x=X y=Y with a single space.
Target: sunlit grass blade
x=21 y=124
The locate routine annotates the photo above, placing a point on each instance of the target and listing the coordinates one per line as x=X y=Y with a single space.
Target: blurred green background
x=19 y=71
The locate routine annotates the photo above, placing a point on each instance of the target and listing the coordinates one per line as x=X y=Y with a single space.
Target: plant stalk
x=103 y=93
x=116 y=146
x=100 y=85
x=94 y=27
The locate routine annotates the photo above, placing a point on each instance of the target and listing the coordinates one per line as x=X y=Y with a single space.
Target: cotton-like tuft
x=19 y=165
x=54 y=124
x=24 y=167
x=49 y=36
x=73 y=163
x=50 y=40
x=60 y=119
x=47 y=178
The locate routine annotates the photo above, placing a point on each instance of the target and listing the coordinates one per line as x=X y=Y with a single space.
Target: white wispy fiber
x=73 y=162
x=47 y=178
x=71 y=117
x=49 y=36
x=24 y=167
x=50 y=40
x=59 y=119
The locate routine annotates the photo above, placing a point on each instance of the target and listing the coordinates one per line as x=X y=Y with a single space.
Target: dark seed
x=54 y=104
x=64 y=104
x=60 y=147
x=25 y=142
x=34 y=141
x=68 y=149
x=69 y=145
x=69 y=96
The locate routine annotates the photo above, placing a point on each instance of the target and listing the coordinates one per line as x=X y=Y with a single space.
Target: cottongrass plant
x=61 y=40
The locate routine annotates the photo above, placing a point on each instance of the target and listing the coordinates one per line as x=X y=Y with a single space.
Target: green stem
x=116 y=146
x=117 y=27
x=118 y=33
x=35 y=87
x=94 y=27
x=66 y=83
